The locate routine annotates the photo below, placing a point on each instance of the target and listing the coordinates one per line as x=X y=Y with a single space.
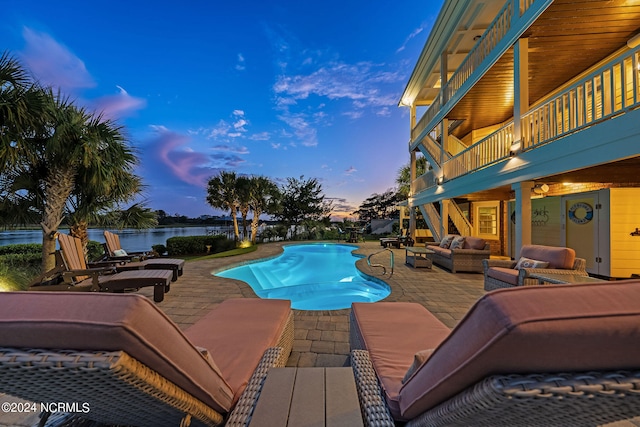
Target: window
x=487 y=220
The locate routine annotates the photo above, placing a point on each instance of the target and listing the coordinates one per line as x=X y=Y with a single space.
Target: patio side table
x=418 y=257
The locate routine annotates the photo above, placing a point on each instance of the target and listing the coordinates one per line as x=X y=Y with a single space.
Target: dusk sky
x=274 y=88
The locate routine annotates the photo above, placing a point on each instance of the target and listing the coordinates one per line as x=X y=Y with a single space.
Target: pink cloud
x=187 y=165
x=120 y=105
x=53 y=64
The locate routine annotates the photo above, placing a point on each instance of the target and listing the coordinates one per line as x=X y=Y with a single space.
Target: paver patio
x=322 y=337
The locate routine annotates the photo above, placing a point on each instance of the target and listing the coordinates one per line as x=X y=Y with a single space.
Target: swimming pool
x=319 y=276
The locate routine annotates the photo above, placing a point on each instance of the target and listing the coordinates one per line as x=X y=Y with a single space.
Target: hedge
x=21 y=248
x=192 y=245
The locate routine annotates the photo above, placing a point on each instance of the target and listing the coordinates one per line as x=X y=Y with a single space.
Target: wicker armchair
x=502 y=273
x=500 y=365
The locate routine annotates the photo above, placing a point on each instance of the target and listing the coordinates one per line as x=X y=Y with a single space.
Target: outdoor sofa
x=467 y=257
x=533 y=259
x=526 y=356
x=131 y=365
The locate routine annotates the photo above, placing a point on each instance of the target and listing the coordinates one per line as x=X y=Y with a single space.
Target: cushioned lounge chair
x=139 y=260
x=71 y=274
x=131 y=365
x=529 y=356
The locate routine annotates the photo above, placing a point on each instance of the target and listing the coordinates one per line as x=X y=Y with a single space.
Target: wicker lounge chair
x=124 y=362
x=71 y=274
x=526 y=356
x=139 y=260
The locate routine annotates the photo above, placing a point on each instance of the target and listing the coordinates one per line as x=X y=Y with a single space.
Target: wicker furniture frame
x=463 y=259
x=121 y=390
x=524 y=279
x=560 y=399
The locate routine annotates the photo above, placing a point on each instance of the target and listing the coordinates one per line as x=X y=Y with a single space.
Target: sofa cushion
x=237 y=333
x=444 y=252
x=112 y=322
x=524 y=330
x=508 y=275
x=557 y=257
x=393 y=332
x=446 y=241
x=530 y=263
x=471 y=242
x=457 y=243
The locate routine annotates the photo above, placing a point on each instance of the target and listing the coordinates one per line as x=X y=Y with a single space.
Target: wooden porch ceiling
x=624 y=172
x=570 y=37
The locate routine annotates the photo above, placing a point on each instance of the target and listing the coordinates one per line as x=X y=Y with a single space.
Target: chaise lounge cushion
x=238 y=345
x=112 y=322
x=531 y=329
x=393 y=332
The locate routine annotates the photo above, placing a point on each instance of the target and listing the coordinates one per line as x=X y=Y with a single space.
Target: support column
x=412 y=209
x=520 y=90
x=523 y=215
x=444 y=217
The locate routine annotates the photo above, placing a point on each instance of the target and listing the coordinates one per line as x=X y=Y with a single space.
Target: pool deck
x=322 y=337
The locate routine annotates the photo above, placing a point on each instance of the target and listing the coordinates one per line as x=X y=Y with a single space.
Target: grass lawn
x=232 y=252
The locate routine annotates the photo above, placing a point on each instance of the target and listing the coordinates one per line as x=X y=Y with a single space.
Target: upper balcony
x=565 y=39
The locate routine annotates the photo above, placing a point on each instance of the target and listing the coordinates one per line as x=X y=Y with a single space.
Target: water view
x=131 y=240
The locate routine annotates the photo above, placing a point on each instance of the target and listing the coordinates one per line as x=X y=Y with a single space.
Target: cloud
x=225 y=130
x=240 y=66
x=231 y=149
x=302 y=128
x=53 y=64
x=350 y=171
x=117 y=106
x=409 y=37
x=261 y=136
x=187 y=165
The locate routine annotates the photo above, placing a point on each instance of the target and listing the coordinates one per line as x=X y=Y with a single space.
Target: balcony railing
x=610 y=90
x=488 y=41
x=423 y=182
x=487 y=151
x=491 y=37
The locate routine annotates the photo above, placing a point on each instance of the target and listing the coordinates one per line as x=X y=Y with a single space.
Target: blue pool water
x=313 y=276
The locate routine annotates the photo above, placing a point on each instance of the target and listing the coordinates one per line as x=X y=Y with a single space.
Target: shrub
x=95 y=250
x=21 y=248
x=192 y=245
x=160 y=249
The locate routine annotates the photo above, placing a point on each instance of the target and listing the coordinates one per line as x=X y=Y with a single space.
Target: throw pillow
x=119 y=252
x=446 y=241
x=418 y=359
x=530 y=263
x=457 y=243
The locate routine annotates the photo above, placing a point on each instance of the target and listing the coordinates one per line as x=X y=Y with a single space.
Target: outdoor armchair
x=125 y=360
x=526 y=356
x=535 y=259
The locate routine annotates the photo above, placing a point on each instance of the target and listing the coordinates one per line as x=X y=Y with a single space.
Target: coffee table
x=417 y=257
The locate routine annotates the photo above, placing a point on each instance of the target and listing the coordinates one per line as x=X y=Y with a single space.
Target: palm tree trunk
x=80 y=230
x=236 y=230
x=254 y=224
x=244 y=212
x=58 y=186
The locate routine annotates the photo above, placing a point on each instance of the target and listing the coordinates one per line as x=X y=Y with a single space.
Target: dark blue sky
x=280 y=89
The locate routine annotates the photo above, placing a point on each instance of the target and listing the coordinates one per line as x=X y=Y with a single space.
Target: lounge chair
x=124 y=362
x=528 y=356
x=139 y=260
x=71 y=274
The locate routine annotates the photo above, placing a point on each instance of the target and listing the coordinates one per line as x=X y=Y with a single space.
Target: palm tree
x=263 y=191
x=221 y=194
x=404 y=176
